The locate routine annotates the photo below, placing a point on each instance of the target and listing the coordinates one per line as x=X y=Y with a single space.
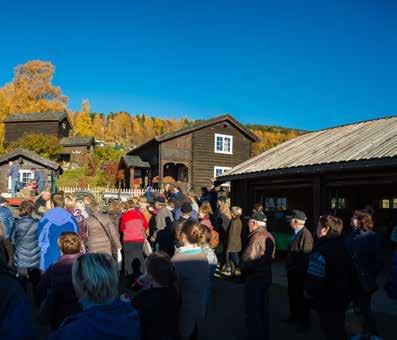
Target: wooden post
x=316 y=201
x=132 y=170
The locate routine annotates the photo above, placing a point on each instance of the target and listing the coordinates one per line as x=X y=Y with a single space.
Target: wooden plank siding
x=205 y=158
x=15 y=130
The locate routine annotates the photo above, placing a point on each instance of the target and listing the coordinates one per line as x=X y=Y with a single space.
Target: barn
x=335 y=170
x=190 y=157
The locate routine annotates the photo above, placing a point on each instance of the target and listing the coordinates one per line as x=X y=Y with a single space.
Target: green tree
x=44 y=145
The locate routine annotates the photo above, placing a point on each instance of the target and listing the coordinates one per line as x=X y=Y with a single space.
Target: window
x=220 y=170
x=394 y=203
x=340 y=204
x=25 y=176
x=275 y=203
x=385 y=204
x=223 y=144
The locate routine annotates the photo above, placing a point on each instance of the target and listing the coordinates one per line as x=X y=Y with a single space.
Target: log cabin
x=331 y=171
x=190 y=157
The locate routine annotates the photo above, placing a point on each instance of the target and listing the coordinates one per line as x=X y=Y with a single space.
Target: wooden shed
x=46 y=123
x=26 y=160
x=136 y=172
x=192 y=157
x=75 y=149
x=335 y=171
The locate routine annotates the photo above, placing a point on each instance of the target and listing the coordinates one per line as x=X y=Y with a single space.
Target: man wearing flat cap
x=299 y=250
x=256 y=262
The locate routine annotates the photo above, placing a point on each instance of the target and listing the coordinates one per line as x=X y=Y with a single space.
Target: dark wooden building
x=192 y=157
x=336 y=171
x=136 y=173
x=46 y=123
x=75 y=149
x=26 y=160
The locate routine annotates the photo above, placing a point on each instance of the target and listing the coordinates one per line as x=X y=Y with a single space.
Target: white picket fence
x=98 y=191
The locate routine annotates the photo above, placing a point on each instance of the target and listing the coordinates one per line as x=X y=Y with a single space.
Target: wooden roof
x=197 y=126
x=342 y=146
x=19 y=152
x=77 y=141
x=134 y=161
x=37 y=117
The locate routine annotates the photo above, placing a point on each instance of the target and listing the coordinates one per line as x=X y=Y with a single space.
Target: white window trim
x=223 y=168
x=231 y=144
x=21 y=171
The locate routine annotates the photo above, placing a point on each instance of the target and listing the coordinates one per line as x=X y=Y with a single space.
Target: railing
x=98 y=191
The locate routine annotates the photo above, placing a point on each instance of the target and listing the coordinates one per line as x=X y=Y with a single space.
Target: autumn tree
x=46 y=146
x=31 y=90
x=83 y=123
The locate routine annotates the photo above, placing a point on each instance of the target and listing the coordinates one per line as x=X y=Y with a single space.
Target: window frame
x=223 y=144
x=223 y=168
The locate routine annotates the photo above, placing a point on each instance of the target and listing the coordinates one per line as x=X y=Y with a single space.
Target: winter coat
x=391 y=283
x=24 y=237
x=133 y=226
x=364 y=249
x=234 y=236
x=191 y=266
x=328 y=281
x=98 y=240
x=16 y=314
x=118 y=320
x=258 y=256
x=6 y=221
x=158 y=309
x=54 y=222
x=299 y=250
x=58 y=280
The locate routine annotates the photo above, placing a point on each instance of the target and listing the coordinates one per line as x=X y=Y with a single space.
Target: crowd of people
x=144 y=269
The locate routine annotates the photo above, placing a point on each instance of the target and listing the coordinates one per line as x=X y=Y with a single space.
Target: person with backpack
x=133 y=226
x=26 y=244
x=55 y=292
x=54 y=222
x=328 y=278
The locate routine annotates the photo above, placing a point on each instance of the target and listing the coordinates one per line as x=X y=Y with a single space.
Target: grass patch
x=77 y=178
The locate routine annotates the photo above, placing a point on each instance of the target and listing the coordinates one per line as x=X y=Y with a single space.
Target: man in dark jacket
x=328 y=280
x=299 y=250
x=256 y=263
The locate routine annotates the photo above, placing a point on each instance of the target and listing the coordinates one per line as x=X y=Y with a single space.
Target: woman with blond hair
x=191 y=266
x=55 y=290
x=104 y=316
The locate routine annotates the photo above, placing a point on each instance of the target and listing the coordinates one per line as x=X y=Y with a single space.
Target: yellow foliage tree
x=83 y=123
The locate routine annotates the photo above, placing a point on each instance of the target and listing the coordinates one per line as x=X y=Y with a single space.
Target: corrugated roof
x=134 y=161
x=30 y=155
x=35 y=117
x=77 y=141
x=365 y=140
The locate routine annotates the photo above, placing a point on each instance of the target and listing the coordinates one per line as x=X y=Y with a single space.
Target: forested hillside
x=31 y=90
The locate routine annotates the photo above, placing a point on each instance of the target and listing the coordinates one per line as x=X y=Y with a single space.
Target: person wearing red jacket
x=133 y=226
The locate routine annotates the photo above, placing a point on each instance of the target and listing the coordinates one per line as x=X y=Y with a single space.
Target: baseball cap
x=298 y=215
x=259 y=216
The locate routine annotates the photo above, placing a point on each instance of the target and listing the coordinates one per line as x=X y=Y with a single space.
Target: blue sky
x=302 y=64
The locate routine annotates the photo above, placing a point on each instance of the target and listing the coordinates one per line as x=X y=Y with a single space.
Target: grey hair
x=236 y=211
x=95 y=278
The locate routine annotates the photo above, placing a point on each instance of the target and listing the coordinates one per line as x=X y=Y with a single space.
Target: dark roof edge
x=31 y=155
x=129 y=153
x=311 y=169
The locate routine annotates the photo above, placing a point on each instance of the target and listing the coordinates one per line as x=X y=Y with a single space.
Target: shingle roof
x=36 y=117
x=197 y=126
x=77 y=141
x=134 y=161
x=362 y=141
x=30 y=155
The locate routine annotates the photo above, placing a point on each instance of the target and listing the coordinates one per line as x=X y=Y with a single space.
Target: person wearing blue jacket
x=54 y=222
x=104 y=315
x=24 y=239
